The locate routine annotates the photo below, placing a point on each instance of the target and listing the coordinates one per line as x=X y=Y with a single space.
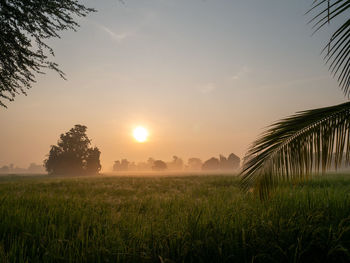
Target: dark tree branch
x=25 y=26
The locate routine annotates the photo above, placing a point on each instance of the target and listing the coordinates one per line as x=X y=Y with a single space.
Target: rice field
x=171 y=219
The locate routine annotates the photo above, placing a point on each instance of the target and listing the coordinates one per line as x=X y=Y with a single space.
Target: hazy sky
x=204 y=76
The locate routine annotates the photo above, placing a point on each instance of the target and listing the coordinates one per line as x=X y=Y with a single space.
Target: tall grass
x=172 y=219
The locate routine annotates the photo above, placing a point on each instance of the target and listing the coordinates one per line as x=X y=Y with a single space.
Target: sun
x=140 y=134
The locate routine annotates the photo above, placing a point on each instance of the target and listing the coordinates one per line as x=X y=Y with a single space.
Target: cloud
x=244 y=70
x=145 y=18
x=116 y=37
x=208 y=88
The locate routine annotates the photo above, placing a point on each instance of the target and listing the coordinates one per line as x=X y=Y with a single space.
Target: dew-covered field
x=171 y=219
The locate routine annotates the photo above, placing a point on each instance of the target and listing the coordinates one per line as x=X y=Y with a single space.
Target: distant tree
x=176 y=163
x=159 y=165
x=224 y=165
x=141 y=166
x=25 y=26
x=122 y=165
x=35 y=168
x=147 y=166
x=234 y=161
x=12 y=169
x=132 y=166
x=150 y=161
x=73 y=155
x=5 y=169
x=230 y=163
x=194 y=163
x=211 y=164
x=116 y=166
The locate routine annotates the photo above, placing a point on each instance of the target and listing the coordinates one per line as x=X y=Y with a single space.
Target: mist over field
x=174 y=131
x=204 y=77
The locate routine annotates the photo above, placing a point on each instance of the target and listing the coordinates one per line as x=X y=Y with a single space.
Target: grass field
x=171 y=219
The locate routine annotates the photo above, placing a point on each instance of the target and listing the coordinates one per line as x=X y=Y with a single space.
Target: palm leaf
x=337 y=51
x=293 y=148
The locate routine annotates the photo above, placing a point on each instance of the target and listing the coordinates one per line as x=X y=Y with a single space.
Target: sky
x=205 y=77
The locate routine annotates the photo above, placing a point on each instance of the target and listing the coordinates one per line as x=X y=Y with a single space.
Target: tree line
x=74 y=155
x=26 y=26
x=33 y=168
x=231 y=163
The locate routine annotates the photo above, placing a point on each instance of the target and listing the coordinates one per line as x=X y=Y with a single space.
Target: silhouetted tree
x=73 y=155
x=176 y=164
x=24 y=28
x=122 y=165
x=234 y=161
x=211 y=164
x=159 y=165
x=194 y=163
x=224 y=165
x=230 y=163
x=93 y=164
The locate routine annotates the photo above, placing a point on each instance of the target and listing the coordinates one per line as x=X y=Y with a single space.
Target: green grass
x=171 y=219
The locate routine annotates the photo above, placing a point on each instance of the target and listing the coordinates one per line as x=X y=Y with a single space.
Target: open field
x=171 y=219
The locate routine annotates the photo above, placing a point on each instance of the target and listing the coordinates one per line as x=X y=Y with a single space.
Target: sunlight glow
x=140 y=134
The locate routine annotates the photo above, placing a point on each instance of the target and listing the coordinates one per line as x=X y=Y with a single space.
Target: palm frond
x=293 y=148
x=337 y=51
